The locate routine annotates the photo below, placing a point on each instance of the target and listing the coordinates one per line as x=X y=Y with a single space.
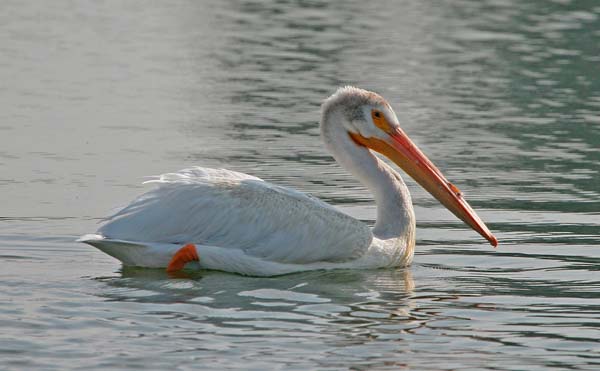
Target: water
x=503 y=95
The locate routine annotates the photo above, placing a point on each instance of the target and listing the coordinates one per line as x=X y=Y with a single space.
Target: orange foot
x=183 y=256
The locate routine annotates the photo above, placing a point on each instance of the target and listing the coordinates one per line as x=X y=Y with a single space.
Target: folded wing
x=223 y=208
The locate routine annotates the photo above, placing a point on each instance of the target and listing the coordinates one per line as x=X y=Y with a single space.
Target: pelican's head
x=370 y=122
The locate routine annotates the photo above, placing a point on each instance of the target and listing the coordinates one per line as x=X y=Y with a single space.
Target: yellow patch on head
x=380 y=121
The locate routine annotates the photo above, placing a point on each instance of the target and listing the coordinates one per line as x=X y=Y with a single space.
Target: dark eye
x=377 y=114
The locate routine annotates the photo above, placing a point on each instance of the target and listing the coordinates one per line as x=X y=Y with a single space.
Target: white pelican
x=225 y=220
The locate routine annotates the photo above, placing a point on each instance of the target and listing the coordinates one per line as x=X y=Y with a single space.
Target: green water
x=504 y=96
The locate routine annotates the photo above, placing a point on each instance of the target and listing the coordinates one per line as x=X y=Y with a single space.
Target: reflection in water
x=351 y=312
x=331 y=285
x=332 y=311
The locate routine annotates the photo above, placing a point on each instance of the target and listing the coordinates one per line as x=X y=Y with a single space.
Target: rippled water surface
x=503 y=95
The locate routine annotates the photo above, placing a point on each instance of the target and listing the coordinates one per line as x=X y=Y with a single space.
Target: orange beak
x=402 y=151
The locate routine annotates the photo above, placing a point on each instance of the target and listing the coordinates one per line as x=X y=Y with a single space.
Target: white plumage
x=238 y=211
x=240 y=223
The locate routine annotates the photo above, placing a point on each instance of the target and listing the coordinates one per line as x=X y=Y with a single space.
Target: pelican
x=201 y=218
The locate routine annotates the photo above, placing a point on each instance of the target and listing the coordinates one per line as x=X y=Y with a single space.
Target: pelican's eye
x=380 y=121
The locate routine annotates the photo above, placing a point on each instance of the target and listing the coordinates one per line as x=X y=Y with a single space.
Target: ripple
x=501 y=95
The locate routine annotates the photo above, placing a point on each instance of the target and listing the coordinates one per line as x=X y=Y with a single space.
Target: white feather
x=237 y=211
x=240 y=223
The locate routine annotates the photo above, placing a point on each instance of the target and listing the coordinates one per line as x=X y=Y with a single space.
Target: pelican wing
x=228 y=209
